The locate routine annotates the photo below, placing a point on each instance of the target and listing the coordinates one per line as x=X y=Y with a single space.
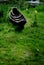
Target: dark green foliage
x=1 y=13
x=34 y=24
x=40 y=8
x=42 y=0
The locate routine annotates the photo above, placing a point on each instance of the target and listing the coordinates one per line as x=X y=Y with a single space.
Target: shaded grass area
x=25 y=47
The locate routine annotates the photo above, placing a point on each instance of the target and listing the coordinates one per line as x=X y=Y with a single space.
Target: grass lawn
x=25 y=47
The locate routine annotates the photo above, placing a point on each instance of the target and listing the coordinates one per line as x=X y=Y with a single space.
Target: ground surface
x=25 y=47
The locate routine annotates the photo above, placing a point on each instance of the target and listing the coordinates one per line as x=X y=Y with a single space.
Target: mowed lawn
x=25 y=47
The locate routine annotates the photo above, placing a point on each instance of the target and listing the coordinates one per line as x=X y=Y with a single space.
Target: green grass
x=25 y=47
